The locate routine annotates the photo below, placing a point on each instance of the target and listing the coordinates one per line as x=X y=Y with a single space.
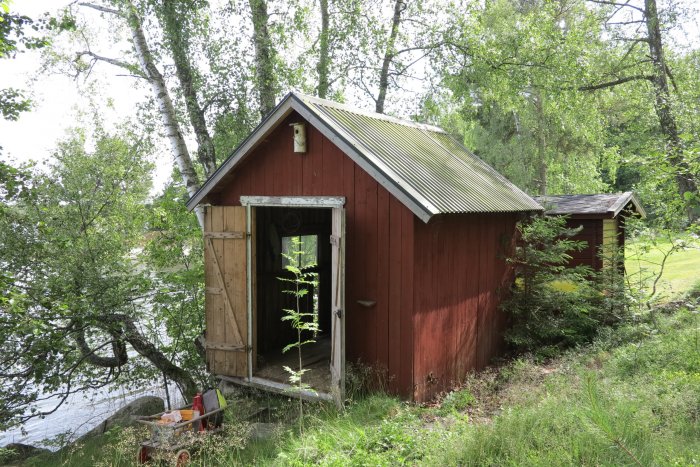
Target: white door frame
x=279 y=202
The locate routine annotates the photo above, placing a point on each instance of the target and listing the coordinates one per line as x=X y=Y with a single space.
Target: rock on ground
x=146 y=405
x=21 y=452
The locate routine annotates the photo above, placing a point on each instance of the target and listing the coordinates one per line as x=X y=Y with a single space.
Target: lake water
x=81 y=413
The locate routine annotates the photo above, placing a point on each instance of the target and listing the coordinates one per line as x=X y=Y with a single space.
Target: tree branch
x=619 y=5
x=102 y=9
x=610 y=84
x=112 y=61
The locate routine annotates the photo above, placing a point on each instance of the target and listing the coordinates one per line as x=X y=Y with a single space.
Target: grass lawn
x=682 y=269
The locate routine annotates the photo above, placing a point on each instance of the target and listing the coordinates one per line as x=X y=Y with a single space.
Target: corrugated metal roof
x=424 y=157
x=421 y=165
x=595 y=204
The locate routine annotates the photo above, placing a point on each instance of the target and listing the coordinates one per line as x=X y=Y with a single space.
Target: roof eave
x=264 y=128
x=419 y=206
x=624 y=200
x=386 y=177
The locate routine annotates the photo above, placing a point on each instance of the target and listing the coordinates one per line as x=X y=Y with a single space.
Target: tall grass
x=632 y=403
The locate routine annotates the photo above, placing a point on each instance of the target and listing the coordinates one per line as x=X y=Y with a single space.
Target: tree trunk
x=323 y=53
x=541 y=147
x=146 y=349
x=167 y=110
x=662 y=105
x=121 y=329
x=389 y=56
x=264 y=56
x=178 y=43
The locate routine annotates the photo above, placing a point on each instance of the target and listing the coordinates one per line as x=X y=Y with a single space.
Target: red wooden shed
x=601 y=218
x=407 y=231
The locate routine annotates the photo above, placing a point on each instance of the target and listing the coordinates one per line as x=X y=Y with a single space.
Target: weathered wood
x=279 y=388
x=216 y=306
x=394 y=297
x=226 y=289
x=236 y=279
x=224 y=235
x=226 y=314
x=338 y=308
x=381 y=307
x=459 y=273
x=293 y=201
x=220 y=346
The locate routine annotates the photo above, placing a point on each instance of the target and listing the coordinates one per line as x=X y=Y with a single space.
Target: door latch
x=339 y=313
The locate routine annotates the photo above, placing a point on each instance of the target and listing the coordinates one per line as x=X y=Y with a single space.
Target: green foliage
x=592 y=406
x=304 y=322
x=174 y=255
x=553 y=306
x=72 y=287
x=14 y=38
x=591 y=417
x=457 y=402
x=12 y=103
x=513 y=71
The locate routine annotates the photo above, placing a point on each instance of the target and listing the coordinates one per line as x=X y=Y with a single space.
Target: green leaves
x=298 y=253
x=68 y=237
x=553 y=305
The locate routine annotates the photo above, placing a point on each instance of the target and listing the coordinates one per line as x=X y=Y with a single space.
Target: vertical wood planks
x=366 y=231
x=396 y=262
x=406 y=311
x=225 y=307
x=459 y=270
x=382 y=278
x=338 y=311
x=435 y=290
x=219 y=332
x=210 y=297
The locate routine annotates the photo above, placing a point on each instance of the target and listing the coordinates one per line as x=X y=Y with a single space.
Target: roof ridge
x=366 y=113
x=618 y=193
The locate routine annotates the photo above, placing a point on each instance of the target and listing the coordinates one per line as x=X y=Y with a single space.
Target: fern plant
x=304 y=322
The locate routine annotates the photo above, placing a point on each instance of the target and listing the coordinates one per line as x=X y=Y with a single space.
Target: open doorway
x=278 y=232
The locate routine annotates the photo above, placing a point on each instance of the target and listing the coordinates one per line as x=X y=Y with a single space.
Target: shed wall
x=592 y=234
x=460 y=273
x=379 y=232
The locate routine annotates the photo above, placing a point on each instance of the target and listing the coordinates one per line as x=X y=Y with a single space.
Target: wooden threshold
x=276 y=387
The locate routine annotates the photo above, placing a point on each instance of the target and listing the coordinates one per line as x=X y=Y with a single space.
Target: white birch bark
x=166 y=109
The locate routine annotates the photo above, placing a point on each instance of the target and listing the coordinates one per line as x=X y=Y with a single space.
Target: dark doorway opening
x=280 y=232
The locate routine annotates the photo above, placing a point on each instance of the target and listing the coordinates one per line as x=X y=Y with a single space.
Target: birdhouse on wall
x=299 y=137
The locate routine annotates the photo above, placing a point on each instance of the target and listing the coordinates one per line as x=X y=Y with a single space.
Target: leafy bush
x=457 y=401
x=553 y=305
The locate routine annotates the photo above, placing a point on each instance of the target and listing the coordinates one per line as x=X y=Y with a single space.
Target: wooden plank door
x=338 y=306
x=225 y=263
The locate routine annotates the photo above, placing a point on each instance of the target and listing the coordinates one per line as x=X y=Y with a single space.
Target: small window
x=300 y=251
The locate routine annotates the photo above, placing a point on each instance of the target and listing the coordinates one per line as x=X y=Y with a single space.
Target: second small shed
x=409 y=231
x=601 y=218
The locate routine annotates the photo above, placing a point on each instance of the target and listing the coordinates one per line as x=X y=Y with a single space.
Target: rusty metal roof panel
x=426 y=159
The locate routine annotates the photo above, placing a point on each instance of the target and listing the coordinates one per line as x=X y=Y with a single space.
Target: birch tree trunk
x=166 y=108
x=178 y=43
x=389 y=54
x=264 y=56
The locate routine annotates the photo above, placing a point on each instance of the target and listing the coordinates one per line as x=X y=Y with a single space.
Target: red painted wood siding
x=592 y=234
x=379 y=232
x=459 y=274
